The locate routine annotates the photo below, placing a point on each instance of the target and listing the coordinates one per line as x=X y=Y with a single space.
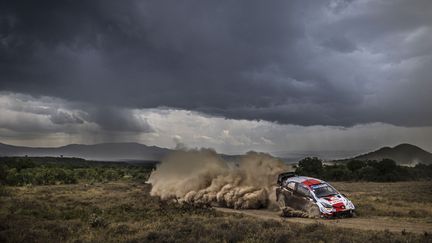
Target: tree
x=337 y=173
x=354 y=165
x=368 y=173
x=3 y=173
x=386 y=166
x=310 y=166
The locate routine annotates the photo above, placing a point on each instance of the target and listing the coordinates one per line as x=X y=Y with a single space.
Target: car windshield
x=323 y=190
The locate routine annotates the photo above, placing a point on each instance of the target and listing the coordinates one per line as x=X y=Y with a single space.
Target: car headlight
x=326 y=205
x=350 y=204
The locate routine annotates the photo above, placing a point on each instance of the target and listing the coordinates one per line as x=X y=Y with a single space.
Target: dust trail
x=202 y=177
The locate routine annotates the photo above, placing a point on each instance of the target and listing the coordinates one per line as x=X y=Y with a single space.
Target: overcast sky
x=276 y=76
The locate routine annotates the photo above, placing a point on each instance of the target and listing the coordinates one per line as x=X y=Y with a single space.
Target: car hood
x=334 y=200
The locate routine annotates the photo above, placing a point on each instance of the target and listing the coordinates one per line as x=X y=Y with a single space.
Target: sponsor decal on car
x=318 y=186
x=334 y=200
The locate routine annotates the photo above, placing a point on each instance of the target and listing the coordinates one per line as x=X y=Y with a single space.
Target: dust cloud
x=202 y=177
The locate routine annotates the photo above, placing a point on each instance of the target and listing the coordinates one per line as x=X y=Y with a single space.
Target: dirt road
x=376 y=223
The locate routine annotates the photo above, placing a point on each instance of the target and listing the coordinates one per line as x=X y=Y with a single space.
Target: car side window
x=303 y=191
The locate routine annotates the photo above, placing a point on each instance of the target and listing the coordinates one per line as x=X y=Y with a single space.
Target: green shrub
x=16 y=171
x=97 y=221
x=337 y=173
x=355 y=165
x=4 y=192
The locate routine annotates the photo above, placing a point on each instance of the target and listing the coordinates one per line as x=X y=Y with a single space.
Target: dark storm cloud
x=117 y=120
x=294 y=62
x=24 y=113
x=340 y=43
x=61 y=117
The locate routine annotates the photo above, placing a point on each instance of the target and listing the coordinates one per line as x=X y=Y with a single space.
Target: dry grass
x=405 y=200
x=124 y=211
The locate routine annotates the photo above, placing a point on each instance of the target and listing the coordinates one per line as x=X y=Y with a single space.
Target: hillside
x=403 y=154
x=104 y=151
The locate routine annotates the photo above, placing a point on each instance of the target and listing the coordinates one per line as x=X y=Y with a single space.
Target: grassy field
x=405 y=200
x=124 y=211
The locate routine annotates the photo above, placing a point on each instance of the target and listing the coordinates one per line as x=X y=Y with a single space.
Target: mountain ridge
x=101 y=151
x=402 y=154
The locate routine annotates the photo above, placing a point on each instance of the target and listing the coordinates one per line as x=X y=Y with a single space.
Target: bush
x=97 y=221
x=16 y=171
x=385 y=166
x=355 y=165
x=3 y=173
x=337 y=173
x=4 y=191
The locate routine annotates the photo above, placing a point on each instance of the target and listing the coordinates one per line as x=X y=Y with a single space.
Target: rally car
x=314 y=196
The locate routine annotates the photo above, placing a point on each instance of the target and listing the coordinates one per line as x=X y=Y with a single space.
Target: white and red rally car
x=314 y=196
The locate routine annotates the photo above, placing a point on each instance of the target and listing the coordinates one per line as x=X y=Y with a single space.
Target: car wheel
x=281 y=201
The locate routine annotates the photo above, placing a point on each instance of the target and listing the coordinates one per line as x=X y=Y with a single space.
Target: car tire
x=281 y=201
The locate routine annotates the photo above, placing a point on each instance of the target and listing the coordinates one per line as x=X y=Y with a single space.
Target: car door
x=302 y=197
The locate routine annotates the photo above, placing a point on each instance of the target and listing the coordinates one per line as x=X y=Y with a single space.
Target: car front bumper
x=339 y=214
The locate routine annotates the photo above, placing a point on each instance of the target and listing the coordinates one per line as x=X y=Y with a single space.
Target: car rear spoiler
x=282 y=177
